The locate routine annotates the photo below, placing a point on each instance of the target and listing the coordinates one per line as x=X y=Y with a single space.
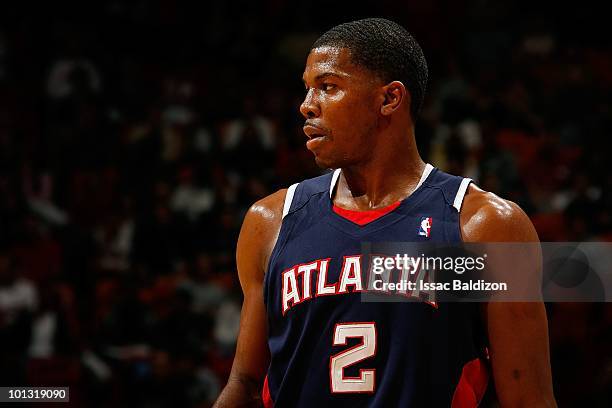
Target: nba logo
x=425 y=227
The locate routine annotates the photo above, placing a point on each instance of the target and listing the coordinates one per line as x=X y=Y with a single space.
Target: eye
x=328 y=86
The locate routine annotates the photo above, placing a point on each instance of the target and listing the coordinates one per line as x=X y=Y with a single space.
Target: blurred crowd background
x=135 y=135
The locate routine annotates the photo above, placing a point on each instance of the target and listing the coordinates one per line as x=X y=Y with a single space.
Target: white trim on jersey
x=426 y=171
x=334 y=180
x=461 y=193
x=289 y=199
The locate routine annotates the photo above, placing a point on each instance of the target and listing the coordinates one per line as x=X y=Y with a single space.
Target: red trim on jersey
x=265 y=395
x=363 y=217
x=472 y=384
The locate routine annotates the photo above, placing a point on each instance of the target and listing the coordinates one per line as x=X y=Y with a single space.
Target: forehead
x=330 y=60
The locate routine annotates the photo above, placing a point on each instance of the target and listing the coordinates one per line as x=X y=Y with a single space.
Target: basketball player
x=306 y=339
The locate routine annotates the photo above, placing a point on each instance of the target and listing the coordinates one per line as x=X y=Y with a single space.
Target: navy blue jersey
x=328 y=348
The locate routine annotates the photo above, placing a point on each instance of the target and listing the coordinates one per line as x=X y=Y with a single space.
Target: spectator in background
x=249 y=141
x=18 y=302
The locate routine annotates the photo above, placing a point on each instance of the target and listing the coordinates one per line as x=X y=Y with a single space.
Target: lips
x=315 y=134
x=313 y=131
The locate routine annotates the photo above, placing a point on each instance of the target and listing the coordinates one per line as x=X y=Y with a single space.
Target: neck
x=391 y=173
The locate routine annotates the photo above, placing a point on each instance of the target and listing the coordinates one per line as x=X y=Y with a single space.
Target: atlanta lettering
x=306 y=281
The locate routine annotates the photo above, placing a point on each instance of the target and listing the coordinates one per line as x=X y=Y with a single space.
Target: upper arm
x=517 y=331
x=257 y=238
x=486 y=217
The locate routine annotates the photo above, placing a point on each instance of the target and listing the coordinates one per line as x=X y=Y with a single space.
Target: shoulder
x=260 y=230
x=486 y=217
x=268 y=210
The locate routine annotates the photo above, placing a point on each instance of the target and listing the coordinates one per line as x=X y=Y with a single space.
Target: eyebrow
x=325 y=75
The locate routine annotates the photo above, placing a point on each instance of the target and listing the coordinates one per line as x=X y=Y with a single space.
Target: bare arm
x=257 y=237
x=517 y=331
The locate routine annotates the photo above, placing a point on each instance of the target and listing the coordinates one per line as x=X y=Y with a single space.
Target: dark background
x=134 y=136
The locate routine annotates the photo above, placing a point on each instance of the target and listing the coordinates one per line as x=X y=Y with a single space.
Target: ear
x=396 y=95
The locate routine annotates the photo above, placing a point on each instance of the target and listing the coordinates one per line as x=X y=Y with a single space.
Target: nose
x=309 y=107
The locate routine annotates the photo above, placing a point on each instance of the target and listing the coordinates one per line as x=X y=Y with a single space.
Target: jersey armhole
x=461 y=193
x=280 y=238
x=465 y=183
x=289 y=199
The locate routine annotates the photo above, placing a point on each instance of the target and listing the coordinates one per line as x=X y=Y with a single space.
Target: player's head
x=387 y=50
x=358 y=75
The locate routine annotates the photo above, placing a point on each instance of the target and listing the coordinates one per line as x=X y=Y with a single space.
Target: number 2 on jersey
x=364 y=383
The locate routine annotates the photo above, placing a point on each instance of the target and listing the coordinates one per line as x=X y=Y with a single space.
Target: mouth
x=316 y=136
x=313 y=132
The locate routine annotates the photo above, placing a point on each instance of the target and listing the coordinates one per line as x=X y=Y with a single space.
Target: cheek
x=359 y=122
x=352 y=112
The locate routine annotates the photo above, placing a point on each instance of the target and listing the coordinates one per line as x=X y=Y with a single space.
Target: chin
x=328 y=163
x=323 y=164
x=329 y=158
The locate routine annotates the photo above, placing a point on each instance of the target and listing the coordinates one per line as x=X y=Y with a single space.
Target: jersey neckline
x=390 y=217
x=362 y=218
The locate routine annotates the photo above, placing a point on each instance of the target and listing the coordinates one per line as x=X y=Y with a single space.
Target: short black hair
x=385 y=48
